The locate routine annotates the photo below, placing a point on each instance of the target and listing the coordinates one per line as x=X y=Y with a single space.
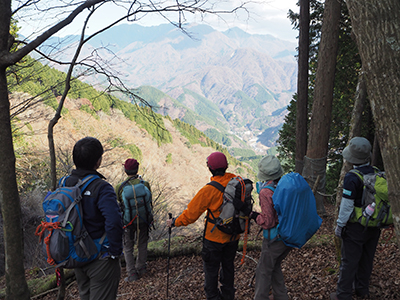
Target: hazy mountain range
x=225 y=83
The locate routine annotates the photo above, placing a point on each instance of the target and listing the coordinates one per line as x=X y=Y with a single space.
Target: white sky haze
x=265 y=17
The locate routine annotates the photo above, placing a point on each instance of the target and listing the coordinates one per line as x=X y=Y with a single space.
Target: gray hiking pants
x=131 y=237
x=269 y=273
x=99 y=280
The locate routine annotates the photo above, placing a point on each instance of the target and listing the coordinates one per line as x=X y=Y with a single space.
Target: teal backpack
x=137 y=203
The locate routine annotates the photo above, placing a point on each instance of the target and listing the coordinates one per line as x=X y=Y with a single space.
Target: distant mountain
x=233 y=80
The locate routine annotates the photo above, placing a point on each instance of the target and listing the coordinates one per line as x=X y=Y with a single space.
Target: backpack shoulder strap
x=270 y=187
x=84 y=183
x=61 y=182
x=124 y=183
x=217 y=185
x=358 y=173
x=376 y=170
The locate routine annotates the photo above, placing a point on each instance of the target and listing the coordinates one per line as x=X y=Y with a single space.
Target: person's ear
x=98 y=163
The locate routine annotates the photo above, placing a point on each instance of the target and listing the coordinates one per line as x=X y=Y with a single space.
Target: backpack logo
x=137 y=203
x=295 y=205
x=375 y=190
x=236 y=206
x=65 y=240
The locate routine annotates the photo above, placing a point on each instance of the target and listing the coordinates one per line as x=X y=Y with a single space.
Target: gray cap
x=269 y=168
x=358 y=151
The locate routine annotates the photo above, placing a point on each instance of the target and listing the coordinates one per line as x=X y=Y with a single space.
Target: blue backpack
x=65 y=240
x=295 y=205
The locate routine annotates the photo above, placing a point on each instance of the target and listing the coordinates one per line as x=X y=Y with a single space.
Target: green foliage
x=168 y=159
x=132 y=148
x=47 y=83
x=219 y=137
x=246 y=101
x=346 y=77
x=263 y=95
x=241 y=152
x=287 y=141
x=206 y=109
x=135 y=151
x=252 y=161
x=151 y=94
x=86 y=108
x=195 y=136
x=147 y=119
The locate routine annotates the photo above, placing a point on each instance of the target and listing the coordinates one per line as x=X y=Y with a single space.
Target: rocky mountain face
x=245 y=80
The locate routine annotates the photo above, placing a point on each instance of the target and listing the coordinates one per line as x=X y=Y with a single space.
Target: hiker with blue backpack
x=269 y=273
x=219 y=248
x=359 y=220
x=134 y=196
x=98 y=279
x=288 y=218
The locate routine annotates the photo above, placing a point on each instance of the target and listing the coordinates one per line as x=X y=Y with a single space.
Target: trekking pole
x=252 y=279
x=169 y=246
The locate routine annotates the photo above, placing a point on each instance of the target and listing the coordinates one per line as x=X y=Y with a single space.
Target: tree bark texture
x=302 y=85
x=355 y=130
x=376 y=24
x=17 y=287
x=317 y=147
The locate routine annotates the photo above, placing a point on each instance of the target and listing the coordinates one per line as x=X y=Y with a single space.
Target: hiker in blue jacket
x=99 y=279
x=358 y=242
x=269 y=273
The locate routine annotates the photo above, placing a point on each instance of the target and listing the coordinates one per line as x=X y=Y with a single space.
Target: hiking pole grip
x=170 y=217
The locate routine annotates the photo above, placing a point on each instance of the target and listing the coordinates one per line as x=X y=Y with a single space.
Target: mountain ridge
x=234 y=70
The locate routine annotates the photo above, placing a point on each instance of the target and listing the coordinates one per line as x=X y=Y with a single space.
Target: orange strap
x=246 y=230
x=40 y=230
x=245 y=237
x=130 y=223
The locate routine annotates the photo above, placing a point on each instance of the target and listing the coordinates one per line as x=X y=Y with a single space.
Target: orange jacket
x=207 y=198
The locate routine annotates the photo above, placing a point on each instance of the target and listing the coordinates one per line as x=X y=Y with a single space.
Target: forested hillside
x=171 y=153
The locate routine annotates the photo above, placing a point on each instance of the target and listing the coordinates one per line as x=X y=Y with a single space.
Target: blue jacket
x=101 y=211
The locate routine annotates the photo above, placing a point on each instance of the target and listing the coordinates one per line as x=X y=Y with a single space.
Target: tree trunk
x=317 y=147
x=355 y=130
x=376 y=24
x=302 y=85
x=17 y=287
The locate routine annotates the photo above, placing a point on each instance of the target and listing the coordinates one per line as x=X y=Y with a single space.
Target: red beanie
x=217 y=160
x=131 y=164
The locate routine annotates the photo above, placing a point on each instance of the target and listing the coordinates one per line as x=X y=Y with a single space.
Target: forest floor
x=310 y=272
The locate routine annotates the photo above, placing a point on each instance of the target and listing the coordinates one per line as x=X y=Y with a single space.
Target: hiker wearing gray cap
x=358 y=242
x=274 y=250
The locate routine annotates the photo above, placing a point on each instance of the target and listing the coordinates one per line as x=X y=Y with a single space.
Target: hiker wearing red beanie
x=134 y=196
x=219 y=248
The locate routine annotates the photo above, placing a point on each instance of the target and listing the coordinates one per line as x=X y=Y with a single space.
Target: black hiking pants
x=218 y=259
x=358 y=251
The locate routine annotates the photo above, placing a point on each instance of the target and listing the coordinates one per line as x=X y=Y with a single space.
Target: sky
x=262 y=17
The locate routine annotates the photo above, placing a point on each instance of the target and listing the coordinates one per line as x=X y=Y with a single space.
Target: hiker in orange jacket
x=219 y=249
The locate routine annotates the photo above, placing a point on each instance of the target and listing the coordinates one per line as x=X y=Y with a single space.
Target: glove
x=338 y=231
x=254 y=215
